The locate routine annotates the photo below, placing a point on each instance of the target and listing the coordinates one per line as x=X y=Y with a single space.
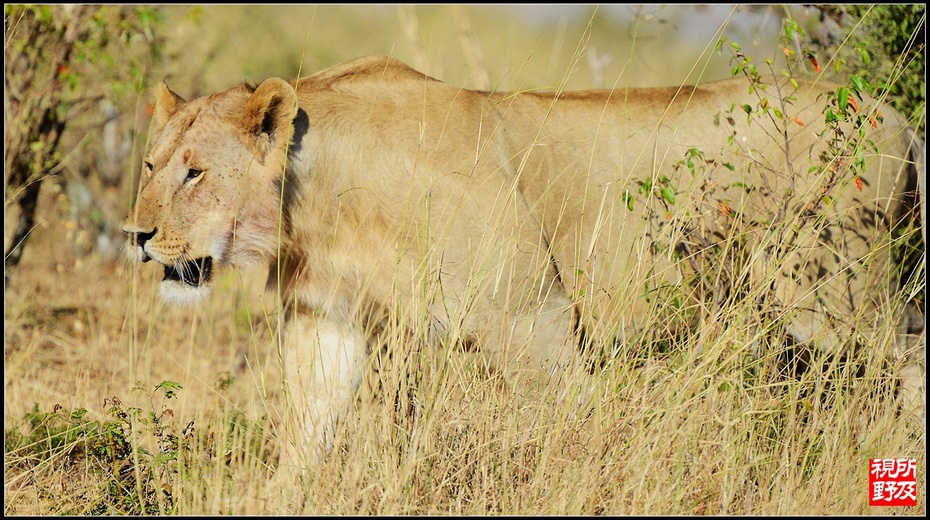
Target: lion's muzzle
x=194 y=273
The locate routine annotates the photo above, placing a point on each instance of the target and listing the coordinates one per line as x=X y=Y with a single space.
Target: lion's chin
x=180 y=293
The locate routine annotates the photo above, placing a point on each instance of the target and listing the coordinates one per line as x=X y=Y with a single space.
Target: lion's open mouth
x=194 y=272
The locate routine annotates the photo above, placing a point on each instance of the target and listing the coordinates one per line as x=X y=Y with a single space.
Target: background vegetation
x=117 y=404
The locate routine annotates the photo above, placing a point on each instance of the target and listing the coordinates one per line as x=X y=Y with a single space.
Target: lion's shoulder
x=373 y=67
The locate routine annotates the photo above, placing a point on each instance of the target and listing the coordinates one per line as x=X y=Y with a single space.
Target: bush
x=73 y=74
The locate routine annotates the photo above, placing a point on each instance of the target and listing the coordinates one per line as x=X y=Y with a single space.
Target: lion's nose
x=139 y=238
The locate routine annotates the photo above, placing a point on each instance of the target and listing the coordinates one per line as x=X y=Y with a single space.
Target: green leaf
x=170 y=388
x=628 y=199
x=842 y=99
x=668 y=194
x=168 y=385
x=864 y=54
x=859 y=85
x=163 y=457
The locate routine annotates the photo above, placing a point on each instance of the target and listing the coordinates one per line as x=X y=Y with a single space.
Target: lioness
x=521 y=222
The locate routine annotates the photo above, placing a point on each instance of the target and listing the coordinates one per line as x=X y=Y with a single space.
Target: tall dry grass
x=693 y=424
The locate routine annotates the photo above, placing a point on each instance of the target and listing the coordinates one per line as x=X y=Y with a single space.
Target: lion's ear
x=167 y=103
x=271 y=111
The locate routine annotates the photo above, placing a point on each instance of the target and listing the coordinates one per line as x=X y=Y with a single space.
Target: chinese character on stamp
x=892 y=482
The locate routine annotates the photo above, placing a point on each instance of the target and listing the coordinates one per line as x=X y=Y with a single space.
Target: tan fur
x=503 y=217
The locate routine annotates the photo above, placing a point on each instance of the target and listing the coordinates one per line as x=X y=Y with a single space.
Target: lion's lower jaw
x=180 y=293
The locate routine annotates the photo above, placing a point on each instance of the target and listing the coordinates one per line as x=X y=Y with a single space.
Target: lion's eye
x=193 y=174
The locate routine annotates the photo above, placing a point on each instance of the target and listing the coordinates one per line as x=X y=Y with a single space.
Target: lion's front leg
x=322 y=368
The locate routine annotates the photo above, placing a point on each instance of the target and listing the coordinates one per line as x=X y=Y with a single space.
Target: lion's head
x=211 y=183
